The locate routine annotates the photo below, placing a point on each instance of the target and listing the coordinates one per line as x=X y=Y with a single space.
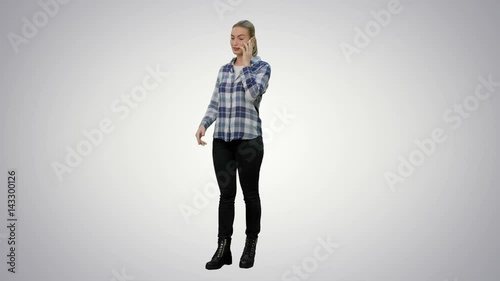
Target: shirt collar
x=253 y=60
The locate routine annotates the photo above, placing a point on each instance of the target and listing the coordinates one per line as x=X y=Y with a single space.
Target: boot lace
x=250 y=246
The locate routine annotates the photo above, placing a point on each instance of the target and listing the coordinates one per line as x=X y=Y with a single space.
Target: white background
x=324 y=169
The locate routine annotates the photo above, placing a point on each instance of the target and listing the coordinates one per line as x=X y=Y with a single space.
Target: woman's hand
x=199 y=134
x=247 y=52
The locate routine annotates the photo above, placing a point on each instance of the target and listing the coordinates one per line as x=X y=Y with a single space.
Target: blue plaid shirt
x=235 y=101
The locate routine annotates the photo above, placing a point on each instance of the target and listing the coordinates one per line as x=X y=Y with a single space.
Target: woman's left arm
x=255 y=83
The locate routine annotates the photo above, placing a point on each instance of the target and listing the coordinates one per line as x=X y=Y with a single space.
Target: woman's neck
x=238 y=60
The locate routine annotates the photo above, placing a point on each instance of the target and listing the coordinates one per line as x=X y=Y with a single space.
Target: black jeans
x=246 y=157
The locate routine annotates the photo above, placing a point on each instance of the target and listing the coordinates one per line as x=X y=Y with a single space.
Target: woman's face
x=239 y=36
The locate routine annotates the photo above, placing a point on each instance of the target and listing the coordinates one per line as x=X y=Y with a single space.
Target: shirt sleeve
x=255 y=82
x=213 y=106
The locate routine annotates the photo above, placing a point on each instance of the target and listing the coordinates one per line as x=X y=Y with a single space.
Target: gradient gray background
x=322 y=173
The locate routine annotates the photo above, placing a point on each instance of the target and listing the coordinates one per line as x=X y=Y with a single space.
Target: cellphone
x=249 y=41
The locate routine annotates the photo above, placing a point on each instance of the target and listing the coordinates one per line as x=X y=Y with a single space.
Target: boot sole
x=219 y=267
x=246 y=266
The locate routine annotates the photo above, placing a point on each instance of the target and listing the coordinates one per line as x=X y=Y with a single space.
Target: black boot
x=248 y=256
x=222 y=256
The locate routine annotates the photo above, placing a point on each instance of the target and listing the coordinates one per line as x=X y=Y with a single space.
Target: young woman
x=237 y=140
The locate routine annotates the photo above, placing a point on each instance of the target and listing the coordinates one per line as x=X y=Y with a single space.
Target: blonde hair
x=251 y=30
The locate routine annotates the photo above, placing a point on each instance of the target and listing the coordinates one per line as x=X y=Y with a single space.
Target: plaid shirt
x=235 y=101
